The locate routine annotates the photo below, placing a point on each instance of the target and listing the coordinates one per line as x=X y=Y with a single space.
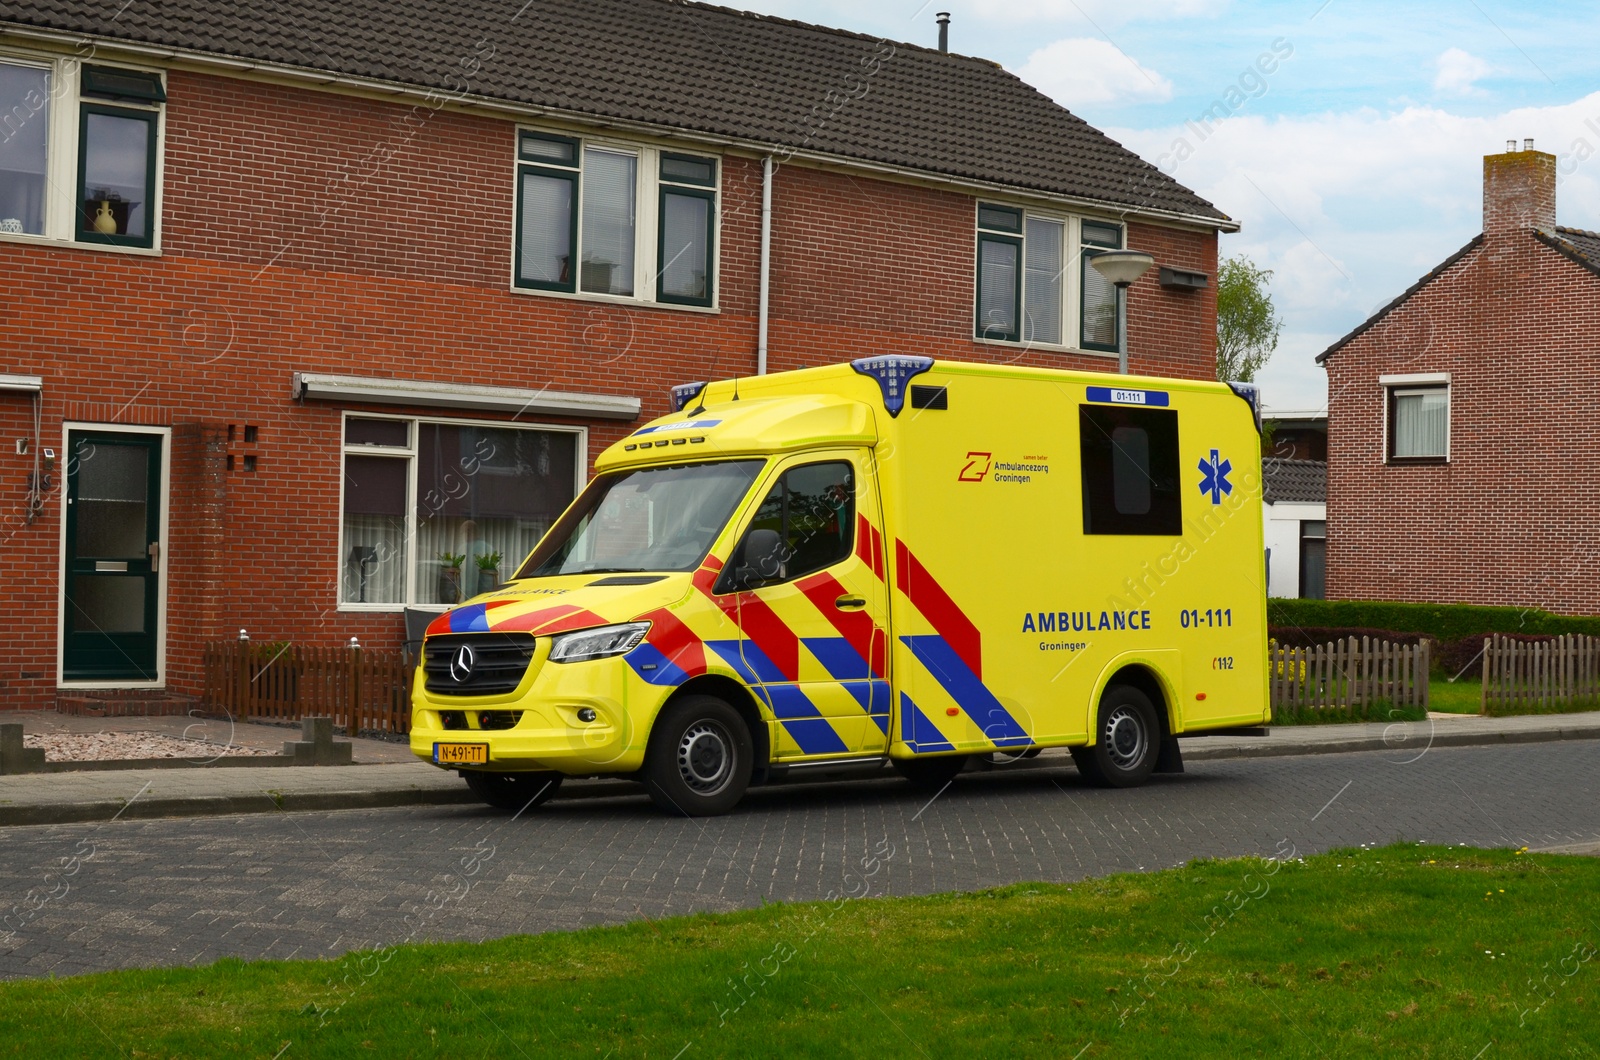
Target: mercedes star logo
x=461 y=664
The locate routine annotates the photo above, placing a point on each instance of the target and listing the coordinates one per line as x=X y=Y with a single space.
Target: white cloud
x=1459 y=73
x=1103 y=12
x=1079 y=71
x=1350 y=209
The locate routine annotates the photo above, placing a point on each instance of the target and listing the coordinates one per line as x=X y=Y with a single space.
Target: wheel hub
x=705 y=757
x=1125 y=738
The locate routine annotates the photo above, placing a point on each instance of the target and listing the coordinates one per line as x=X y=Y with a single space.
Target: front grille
x=498 y=661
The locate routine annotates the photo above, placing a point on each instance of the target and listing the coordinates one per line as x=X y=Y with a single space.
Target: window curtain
x=997 y=290
x=609 y=181
x=1421 y=422
x=546 y=237
x=24 y=147
x=1043 y=281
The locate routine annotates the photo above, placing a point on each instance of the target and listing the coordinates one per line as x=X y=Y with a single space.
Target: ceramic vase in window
x=105 y=222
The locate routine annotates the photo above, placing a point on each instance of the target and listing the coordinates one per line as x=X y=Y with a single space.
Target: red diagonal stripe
x=769 y=632
x=877 y=551
x=856 y=627
x=676 y=641
x=929 y=597
x=549 y=620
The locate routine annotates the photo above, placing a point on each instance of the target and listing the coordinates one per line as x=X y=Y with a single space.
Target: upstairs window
x=1099 y=316
x=1419 y=424
x=92 y=177
x=1026 y=268
x=603 y=219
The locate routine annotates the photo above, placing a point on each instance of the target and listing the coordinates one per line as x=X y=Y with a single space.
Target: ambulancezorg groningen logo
x=462 y=664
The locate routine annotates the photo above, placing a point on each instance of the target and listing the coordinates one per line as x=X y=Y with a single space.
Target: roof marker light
x=892 y=374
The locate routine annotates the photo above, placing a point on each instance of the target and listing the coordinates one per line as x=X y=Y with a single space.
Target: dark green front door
x=113 y=581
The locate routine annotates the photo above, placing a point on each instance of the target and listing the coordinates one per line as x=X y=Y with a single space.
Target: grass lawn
x=1463 y=696
x=1404 y=950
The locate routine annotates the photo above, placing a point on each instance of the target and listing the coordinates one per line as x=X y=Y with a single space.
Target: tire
x=513 y=791
x=930 y=774
x=700 y=758
x=1127 y=740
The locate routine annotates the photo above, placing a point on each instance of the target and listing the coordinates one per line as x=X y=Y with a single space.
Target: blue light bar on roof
x=892 y=374
x=684 y=393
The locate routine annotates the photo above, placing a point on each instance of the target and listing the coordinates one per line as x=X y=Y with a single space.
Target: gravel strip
x=106 y=746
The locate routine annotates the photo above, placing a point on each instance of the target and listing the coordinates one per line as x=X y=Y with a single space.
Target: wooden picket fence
x=1349 y=676
x=1524 y=676
x=359 y=688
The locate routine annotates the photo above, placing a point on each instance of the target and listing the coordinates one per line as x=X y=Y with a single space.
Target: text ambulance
x=899 y=558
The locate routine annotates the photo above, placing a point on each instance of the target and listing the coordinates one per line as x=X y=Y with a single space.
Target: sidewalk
x=386 y=774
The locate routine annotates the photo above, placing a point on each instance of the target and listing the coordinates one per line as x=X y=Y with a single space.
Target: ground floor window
x=430 y=505
x=1313 y=559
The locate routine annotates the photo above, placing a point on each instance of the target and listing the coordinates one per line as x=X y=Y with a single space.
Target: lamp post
x=1121 y=268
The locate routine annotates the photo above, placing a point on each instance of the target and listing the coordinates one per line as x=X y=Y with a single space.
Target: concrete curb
x=1410 y=742
x=1194 y=750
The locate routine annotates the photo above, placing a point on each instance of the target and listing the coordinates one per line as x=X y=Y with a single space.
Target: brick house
x=1463 y=463
x=300 y=299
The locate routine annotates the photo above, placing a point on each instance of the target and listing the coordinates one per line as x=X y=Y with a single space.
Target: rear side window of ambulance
x=1130 y=471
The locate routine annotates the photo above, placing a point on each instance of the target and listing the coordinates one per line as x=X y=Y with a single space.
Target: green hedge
x=1447 y=622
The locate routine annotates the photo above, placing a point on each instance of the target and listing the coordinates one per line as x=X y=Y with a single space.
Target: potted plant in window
x=450 y=577
x=488 y=572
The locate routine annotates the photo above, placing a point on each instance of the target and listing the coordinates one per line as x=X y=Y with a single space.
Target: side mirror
x=761 y=558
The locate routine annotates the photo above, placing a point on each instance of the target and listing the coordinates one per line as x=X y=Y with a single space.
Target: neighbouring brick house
x=300 y=297
x=1463 y=461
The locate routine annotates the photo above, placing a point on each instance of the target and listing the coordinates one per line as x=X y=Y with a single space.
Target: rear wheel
x=700 y=758
x=1127 y=740
x=930 y=773
x=513 y=791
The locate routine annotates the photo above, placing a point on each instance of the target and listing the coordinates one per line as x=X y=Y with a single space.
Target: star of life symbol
x=1214 y=477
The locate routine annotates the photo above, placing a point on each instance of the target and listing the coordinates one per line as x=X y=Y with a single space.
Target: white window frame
x=409 y=454
x=647 y=192
x=1393 y=386
x=61 y=150
x=1071 y=275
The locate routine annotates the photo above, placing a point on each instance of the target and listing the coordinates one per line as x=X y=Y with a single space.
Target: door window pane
x=546 y=236
x=812 y=510
x=116 y=172
x=1044 y=269
x=108 y=603
x=609 y=200
x=685 y=246
x=24 y=147
x=997 y=288
x=1313 y=560
x=1421 y=422
x=373 y=566
x=112 y=504
x=482 y=491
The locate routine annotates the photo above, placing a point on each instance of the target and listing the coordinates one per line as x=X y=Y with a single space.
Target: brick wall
x=310 y=232
x=1514 y=517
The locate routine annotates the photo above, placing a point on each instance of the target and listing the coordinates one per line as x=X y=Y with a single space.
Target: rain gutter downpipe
x=766 y=263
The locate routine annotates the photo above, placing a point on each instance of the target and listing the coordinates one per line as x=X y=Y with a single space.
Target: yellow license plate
x=461 y=754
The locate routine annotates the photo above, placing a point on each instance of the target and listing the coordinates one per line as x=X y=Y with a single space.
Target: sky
x=1353 y=167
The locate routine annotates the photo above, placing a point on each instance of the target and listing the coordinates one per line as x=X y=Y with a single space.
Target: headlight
x=599 y=643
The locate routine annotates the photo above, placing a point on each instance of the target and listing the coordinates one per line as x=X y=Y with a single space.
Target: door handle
x=155 y=556
x=848 y=602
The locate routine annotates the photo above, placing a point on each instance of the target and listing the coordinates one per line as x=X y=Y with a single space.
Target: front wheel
x=1127 y=741
x=513 y=791
x=700 y=758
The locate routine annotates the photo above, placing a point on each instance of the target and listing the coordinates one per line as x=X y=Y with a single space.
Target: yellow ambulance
x=897 y=559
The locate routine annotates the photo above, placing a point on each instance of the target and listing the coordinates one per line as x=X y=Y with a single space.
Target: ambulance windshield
x=652 y=519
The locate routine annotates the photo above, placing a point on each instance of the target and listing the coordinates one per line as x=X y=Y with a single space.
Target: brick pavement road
x=189 y=891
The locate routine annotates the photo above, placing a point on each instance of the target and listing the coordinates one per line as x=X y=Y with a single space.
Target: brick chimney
x=1519 y=191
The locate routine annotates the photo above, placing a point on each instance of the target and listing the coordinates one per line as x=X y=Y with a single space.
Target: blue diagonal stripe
x=917 y=732
x=957 y=678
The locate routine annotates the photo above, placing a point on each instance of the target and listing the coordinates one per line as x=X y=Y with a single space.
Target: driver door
x=806 y=586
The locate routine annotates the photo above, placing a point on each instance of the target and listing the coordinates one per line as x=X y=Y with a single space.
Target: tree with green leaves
x=1247 y=323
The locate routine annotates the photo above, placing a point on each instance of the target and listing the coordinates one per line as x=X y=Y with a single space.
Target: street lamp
x=1122 y=267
